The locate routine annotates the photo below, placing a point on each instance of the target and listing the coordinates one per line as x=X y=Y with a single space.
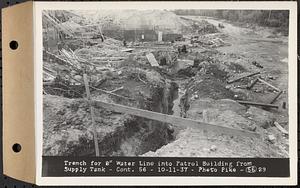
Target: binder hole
x=13 y=45
x=16 y=148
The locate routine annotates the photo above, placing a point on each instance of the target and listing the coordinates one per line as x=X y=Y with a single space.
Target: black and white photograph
x=165 y=83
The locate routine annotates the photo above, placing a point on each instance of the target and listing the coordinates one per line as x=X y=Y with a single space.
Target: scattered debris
x=241 y=77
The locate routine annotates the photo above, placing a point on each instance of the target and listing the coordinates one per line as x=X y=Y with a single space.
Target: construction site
x=161 y=84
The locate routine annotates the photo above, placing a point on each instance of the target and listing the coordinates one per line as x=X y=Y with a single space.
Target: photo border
x=254 y=5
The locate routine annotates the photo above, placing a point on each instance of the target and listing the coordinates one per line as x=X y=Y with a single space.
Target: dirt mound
x=68 y=127
x=197 y=143
x=193 y=143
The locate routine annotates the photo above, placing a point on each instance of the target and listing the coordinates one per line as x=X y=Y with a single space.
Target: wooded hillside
x=269 y=18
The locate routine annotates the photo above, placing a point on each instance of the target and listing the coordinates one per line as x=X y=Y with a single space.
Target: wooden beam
x=104 y=91
x=245 y=76
x=276 y=97
x=152 y=60
x=252 y=84
x=86 y=83
x=280 y=128
x=268 y=84
x=174 y=120
x=257 y=104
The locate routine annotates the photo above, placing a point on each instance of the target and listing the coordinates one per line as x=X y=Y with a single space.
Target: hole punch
x=13 y=45
x=16 y=148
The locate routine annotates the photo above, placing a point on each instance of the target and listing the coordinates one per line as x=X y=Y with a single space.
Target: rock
x=227 y=87
x=271 y=138
x=78 y=77
x=196 y=96
x=213 y=148
x=252 y=128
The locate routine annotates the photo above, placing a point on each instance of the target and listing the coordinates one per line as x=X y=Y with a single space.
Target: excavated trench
x=67 y=126
x=141 y=135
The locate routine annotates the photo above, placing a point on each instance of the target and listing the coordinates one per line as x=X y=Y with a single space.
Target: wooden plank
x=245 y=76
x=160 y=34
x=276 y=97
x=152 y=60
x=127 y=50
x=280 y=128
x=174 y=120
x=257 y=104
x=268 y=84
x=60 y=60
x=252 y=84
x=104 y=91
x=109 y=58
x=86 y=83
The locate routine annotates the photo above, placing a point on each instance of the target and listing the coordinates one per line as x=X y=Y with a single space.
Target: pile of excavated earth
x=200 y=83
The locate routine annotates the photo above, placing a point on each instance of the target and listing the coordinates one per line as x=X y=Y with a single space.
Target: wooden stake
x=174 y=120
x=88 y=94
